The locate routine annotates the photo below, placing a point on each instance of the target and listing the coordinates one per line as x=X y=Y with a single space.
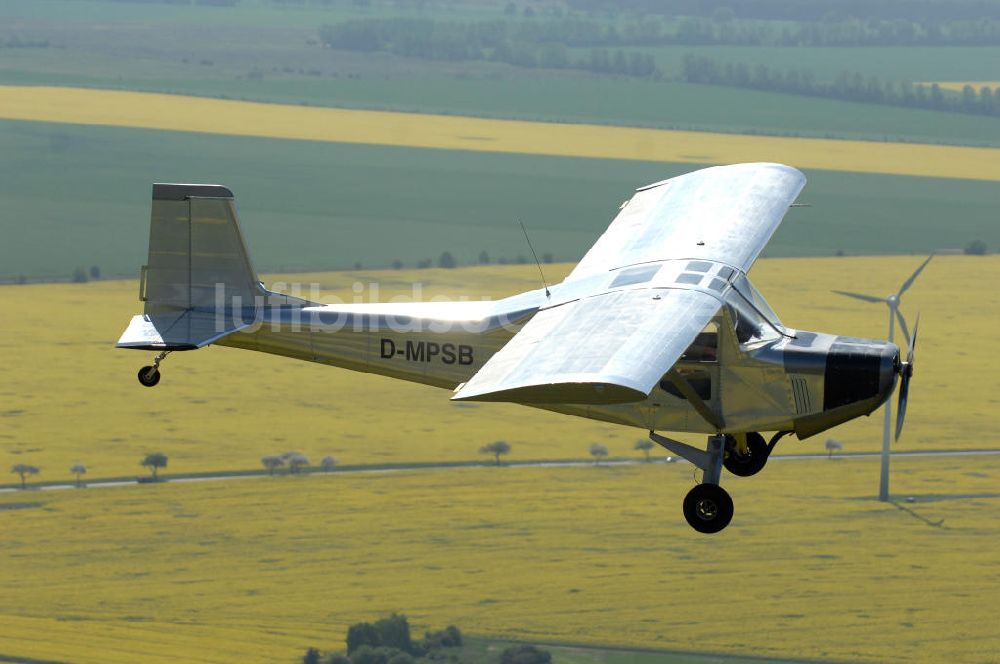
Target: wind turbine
x=892 y=301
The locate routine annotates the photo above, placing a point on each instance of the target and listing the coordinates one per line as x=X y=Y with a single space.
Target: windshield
x=750 y=324
x=757 y=301
x=753 y=318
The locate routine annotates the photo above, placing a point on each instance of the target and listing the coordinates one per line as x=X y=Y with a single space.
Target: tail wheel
x=708 y=508
x=749 y=462
x=149 y=376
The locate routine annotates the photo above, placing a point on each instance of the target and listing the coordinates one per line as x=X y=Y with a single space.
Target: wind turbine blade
x=902 y=326
x=913 y=277
x=859 y=296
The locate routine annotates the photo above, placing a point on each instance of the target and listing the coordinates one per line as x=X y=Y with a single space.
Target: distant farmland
x=311 y=205
x=958 y=86
x=266 y=51
x=215 y=116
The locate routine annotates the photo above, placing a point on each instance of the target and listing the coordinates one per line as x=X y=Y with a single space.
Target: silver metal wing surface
x=725 y=214
x=613 y=347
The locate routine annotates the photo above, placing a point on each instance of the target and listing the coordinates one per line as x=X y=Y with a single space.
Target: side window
x=705 y=347
x=699 y=379
x=750 y=327
x=747 y=329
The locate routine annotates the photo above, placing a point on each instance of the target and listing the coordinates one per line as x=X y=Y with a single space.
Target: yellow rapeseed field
x=958 y=86
x=257 y=570
x=171 y=112
x=69 y=396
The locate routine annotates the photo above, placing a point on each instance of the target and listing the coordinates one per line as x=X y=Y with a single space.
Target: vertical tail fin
x=195 y=245
x=198 y=273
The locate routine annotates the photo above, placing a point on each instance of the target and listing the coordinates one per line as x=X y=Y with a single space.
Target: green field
x=257 y=51
x=309 y=206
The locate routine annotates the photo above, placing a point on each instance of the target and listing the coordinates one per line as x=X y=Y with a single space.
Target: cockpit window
x=750 y=326
x=705 y=347
x=752 y=317
x=757 y=301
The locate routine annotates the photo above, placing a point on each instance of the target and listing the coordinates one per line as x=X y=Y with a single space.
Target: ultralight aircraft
x=657 y=327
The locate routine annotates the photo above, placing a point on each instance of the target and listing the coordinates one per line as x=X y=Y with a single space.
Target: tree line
x=725 y=29
x=846 y=86
x=600 y=452
x=799 y=10
x=206 y=3
x=153 y=461
x=545 y=42
x=298 y=463
x=389 y=641
x=522 y=44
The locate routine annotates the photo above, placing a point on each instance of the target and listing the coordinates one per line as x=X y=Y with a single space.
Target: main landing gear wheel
x=149 y=376
x=750 y=461
x=708 y=508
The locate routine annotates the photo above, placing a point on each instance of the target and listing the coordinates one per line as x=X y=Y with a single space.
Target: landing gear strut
x=149 y=376
x=708 y=508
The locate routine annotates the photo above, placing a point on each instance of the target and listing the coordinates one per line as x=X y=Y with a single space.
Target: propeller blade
x=904 y=392
x=859 y=296
x=907 y=374
x=902 y=326
x=913 y=277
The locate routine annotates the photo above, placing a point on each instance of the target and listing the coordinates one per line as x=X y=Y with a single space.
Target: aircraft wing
x=613 y=347
x=725 y=214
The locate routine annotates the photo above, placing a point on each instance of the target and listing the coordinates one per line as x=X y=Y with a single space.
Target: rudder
x=195 y=245
x=198 y=274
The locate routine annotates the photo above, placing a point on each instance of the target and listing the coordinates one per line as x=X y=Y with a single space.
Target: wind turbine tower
x=892 y=301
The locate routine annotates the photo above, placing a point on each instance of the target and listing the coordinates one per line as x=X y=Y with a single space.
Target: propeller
x=906 y=372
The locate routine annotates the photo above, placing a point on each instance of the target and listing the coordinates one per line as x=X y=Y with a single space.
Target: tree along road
x=251 y=474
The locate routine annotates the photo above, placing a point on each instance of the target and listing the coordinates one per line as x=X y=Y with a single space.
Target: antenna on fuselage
x=545 y=284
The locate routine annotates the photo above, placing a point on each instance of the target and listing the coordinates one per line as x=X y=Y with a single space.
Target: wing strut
x=696 y=401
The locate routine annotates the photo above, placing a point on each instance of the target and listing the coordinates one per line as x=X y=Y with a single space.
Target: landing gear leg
x=708 y=508
x=149 y=376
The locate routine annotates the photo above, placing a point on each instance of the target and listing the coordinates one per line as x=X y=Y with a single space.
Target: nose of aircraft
x=860 y=370
x=890 y=365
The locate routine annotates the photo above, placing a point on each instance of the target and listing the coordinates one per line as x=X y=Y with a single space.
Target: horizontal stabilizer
x=609 y=348
x=177 y=331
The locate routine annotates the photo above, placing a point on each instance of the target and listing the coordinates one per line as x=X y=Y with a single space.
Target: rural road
x=95 y=484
